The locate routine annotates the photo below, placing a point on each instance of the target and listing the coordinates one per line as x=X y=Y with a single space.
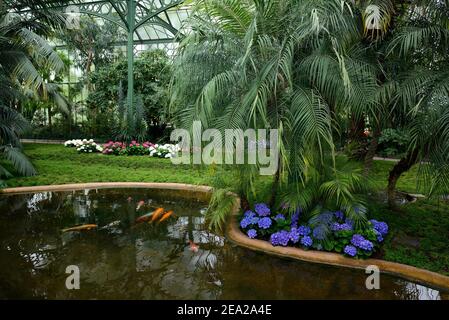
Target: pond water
x=124 y=260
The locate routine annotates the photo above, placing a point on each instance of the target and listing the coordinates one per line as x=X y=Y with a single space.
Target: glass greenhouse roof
x=155 y=21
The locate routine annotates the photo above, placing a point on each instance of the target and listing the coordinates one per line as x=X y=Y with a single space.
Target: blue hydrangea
x=341 y=227
x=335 y=227
x=295 y=219
x=350 y=250
x=264 y=223
x=255 y=220
x=346 y=227
x=249 y=214
x=381 y=227
x=294 y=235
x=252 y=233
x=360 y=242
x=306 y=241
x=280 y=238
x=304 y=231
x=245 y=223
x=379 y=236
x=262 y=209
x=279 y=217
x=349 y=222
x=339 y=215
x=319 y=232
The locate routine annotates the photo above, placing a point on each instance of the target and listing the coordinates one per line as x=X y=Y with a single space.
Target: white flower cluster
x=85 y=146
x=76 y=143
x=164 y=151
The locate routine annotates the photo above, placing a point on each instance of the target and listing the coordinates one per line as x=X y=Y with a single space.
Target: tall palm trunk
x=372 y=148
x=402 y=166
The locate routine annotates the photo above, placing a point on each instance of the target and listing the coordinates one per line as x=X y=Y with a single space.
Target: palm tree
x=308 y=68
x=289 y=65
x=421 y=98
x=411 y=49
x=22 y=51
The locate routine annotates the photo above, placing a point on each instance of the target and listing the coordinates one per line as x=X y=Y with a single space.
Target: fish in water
x=140 y=204
x=166 y=215
x=157 y=214
x=193 y=246
x=148 y=216
x=84 y=227
x=111 y=225
x=145 y=217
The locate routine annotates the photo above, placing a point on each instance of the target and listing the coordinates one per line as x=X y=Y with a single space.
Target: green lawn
x=426 y=221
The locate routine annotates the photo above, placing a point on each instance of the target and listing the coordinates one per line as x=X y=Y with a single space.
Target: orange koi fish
x=147 y=216
x=166 y=215
x=157 y=214
x=84 y=227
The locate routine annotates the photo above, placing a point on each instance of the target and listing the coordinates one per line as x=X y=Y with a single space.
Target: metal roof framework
x=144 y=21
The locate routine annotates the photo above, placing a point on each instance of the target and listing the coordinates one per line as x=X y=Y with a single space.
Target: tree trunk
x=402 y=166
x=368 y=163
x=356 y=129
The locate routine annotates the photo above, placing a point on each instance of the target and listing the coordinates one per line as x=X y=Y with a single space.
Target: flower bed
x=164 y=151
x=123 y=149
x=84 y=146
x=132 y=149
x=336 y=234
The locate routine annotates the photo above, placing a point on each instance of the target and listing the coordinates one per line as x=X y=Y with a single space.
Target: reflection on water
x=176 y=259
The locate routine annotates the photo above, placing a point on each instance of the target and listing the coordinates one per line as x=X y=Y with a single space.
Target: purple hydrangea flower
x=264 y=223
x=295 y=235
x=279 y=217
x=335 y=226
x=381 y=227
x=295 y=218
x=350 y=250
x=339 y=215
x=255 y=220
x=306 y=241
x=252 y=233
x=341 y=227
x=280 y=238
x=245 y=223
x=379 y=236
x=349 y=222
x=262 y=209
x=304 y=231
x=249 y=214
x=319 y=232
x=346 y=227
x=360 y=242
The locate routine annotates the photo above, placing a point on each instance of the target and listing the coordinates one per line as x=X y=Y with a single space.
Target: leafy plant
x=146 y=117
x=220 y=207
x=23 y=50
x=393 y=142
x=327 y=230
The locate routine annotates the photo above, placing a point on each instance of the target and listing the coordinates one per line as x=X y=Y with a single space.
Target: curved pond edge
x=234 y=233
x=417 y=275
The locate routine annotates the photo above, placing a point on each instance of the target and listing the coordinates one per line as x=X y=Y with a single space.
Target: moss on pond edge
x=234 y=233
